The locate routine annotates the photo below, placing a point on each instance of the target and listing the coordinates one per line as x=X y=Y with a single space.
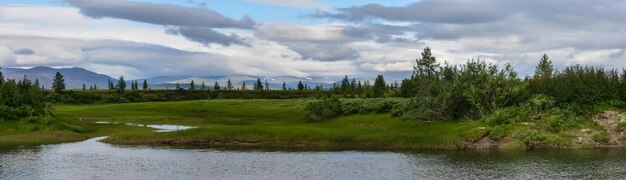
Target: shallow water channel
x=91 y=159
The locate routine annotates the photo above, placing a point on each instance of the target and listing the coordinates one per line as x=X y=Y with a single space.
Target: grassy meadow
x=267 y=123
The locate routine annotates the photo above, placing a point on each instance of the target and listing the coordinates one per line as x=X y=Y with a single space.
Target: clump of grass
x=602 y=137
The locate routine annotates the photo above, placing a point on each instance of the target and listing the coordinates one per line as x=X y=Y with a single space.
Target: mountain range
x=76 y=77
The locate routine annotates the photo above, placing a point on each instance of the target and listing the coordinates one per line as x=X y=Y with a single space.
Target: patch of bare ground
x=610 y=120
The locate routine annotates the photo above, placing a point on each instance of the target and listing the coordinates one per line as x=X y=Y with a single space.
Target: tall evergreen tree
x=111 y=86
x=543 y=74
x=380 y=86
x=121 y=85
x=84 y=87
x=284 y=86
x=203 y=87
x=267 y=85
x=1 y=77
x=178 y=86
x=427 y=66
x=544 y=69
x=95 y=86
x=345 y=84
x=300 y=86
x=192 y=85
x=258 y=85
x=229 y=85
x=216 y=86
x=145 y=84
x=58 y=83
x=244 y=87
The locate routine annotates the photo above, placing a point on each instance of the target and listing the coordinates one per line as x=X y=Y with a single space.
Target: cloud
x=24 y=51
x=324 y=52
x=313 y=4
x=194 y=23
x=316 y=42
x=7 y=58
x=206 y=36
x=161 y=14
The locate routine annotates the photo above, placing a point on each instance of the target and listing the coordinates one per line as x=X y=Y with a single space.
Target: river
x=92 y=159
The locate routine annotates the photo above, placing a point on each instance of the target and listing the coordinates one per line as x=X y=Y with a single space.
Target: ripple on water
x=94 y=160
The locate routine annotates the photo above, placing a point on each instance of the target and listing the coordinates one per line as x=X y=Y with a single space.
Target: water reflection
x=94 y=160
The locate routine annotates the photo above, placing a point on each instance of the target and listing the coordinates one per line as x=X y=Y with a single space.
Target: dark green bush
x=318 y=111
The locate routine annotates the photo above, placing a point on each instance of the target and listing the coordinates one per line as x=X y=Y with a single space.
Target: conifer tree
x=216 y=86
x=192 y=85
x=84 y=87
x=284 y=86
x=145 y=84
x=244 y=87
x=95 y=86
x=121 y=85
x=203 y=87
x=267 y=85
x=229 y=85
x=300 y=86
x=258 y=85
x=380 y=86
x=58 y=83
x=178 y=86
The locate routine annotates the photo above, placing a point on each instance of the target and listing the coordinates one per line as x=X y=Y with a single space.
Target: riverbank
x=268 y=124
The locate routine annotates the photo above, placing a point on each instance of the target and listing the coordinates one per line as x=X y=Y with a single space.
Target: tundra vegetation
x=441 y=106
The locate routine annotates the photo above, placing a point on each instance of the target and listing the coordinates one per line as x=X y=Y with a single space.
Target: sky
x=306 y=38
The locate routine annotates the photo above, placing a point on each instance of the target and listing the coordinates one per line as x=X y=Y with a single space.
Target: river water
x=91 y=159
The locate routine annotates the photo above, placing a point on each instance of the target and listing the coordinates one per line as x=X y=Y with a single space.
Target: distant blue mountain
x=74 y=77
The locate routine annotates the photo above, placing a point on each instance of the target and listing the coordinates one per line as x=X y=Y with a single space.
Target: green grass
x=271 y=123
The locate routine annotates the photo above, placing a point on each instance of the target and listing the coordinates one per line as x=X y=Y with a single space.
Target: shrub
x=621 y=126
x=602 y=137
x=498 y=132
x=509 y=115
x=324 y=109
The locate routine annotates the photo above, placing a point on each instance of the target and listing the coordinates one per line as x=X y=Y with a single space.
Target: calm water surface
x=94 y=160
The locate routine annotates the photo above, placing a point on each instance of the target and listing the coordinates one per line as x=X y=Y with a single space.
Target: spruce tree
x=203 y=87
x=258 y=85
x=267 y=85
x=1 y=77
x=145 y=84
x=244 y=87
x=178 y=86
x=84 y=87
x=284 y=86
x=544 y=69
x=121 y=85
x=345 y=84
x=229 y=85
x=216 y=86
x=192 y=85
x=300 y=86
x=380 y=86
x=95 y=86
x=58 y=83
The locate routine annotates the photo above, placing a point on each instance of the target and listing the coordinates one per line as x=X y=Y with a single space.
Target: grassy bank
x=271 y=123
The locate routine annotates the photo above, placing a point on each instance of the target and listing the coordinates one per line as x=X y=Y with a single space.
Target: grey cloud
x=481 y=11
x=324 y=52
x=161 y=14
x=25 y=51
x=206 y=36
x=194 y=23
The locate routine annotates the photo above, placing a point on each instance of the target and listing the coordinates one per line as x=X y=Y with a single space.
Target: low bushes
x=332 y=107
